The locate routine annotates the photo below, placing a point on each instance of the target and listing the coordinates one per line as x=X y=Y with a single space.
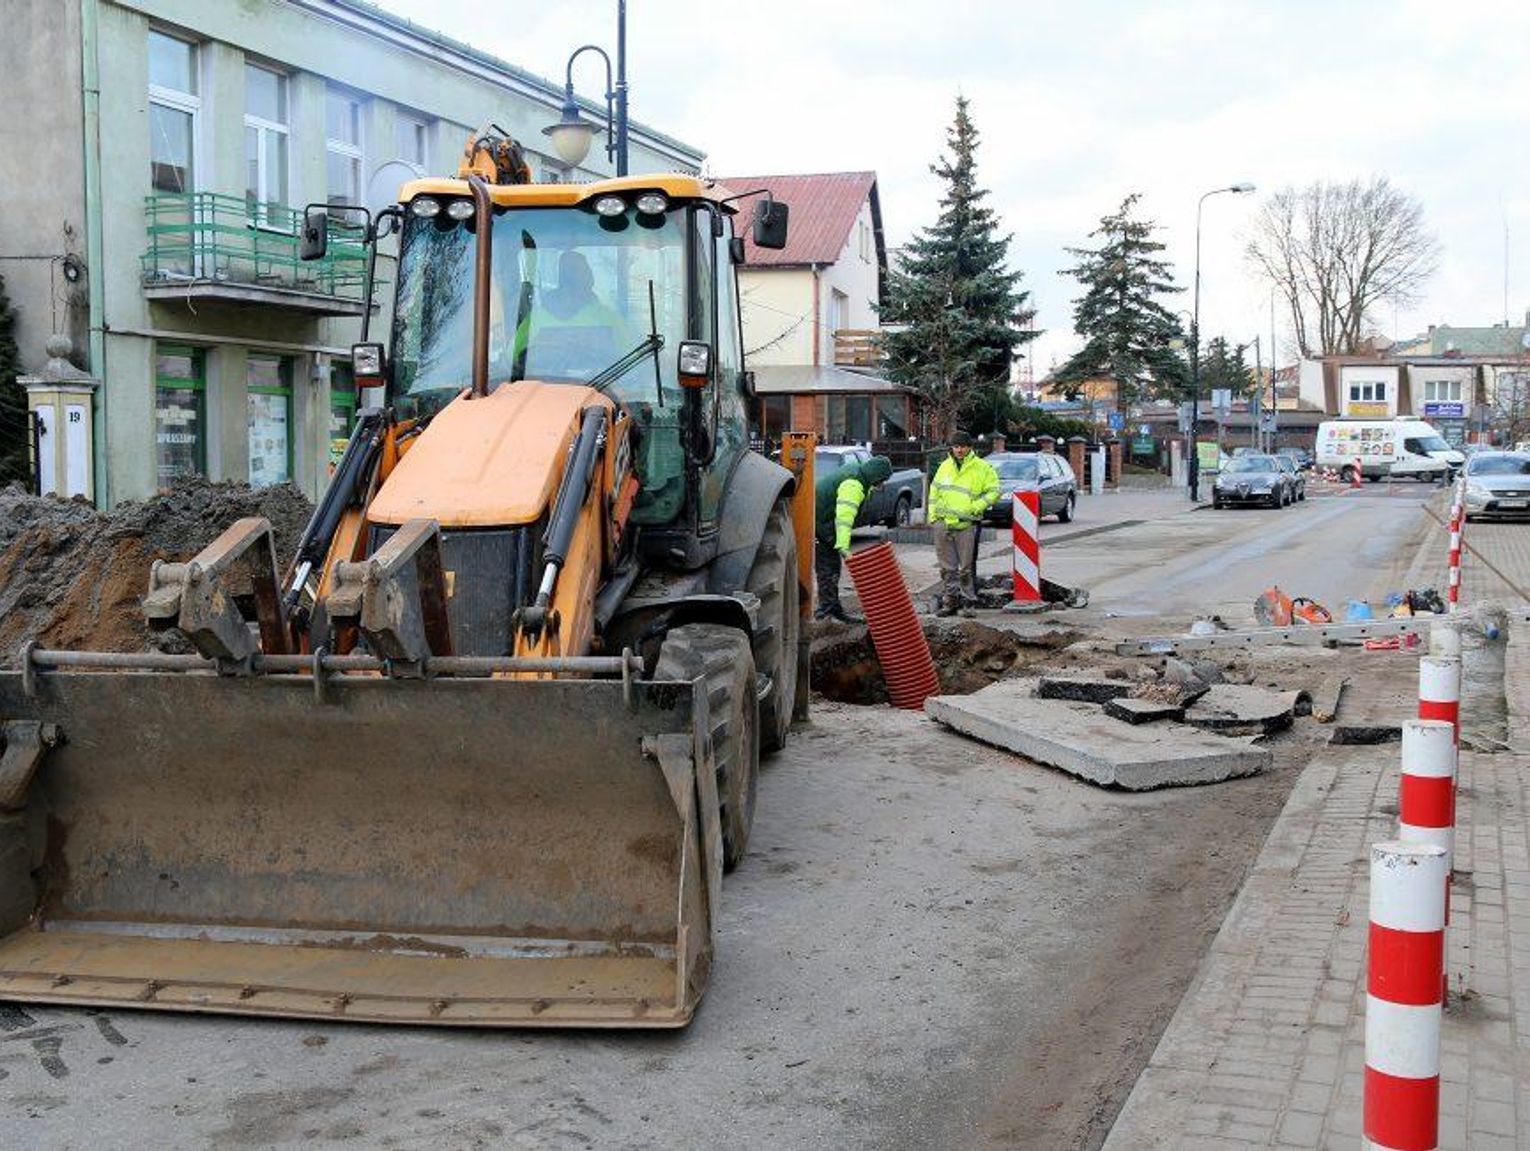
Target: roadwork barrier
x=1404 y=996
x=1027 y=550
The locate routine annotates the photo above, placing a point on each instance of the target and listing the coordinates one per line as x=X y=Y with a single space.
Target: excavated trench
x=968 y=656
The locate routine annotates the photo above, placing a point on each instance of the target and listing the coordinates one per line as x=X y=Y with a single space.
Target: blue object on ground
x=1357 y=610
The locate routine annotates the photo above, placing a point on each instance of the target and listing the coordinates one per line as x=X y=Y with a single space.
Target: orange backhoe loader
x=481 y=755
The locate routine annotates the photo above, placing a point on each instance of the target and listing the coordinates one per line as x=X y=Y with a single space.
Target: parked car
x=1293 y=474
x=893 y=503
x=1252 y=480
x=1044 y=470
x=1497 y=484
x=1300 y=456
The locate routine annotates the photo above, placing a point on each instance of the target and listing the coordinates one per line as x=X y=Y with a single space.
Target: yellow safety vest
x=848 y=498
x=961 y=493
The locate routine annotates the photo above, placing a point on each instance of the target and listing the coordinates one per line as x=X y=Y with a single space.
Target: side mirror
x=770 y=224
x=315 y=240
x=747 y=385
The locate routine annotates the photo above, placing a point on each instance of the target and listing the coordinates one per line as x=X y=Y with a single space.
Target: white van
x=1404 y=448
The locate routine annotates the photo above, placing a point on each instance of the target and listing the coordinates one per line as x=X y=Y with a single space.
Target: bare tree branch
x=1336 y=252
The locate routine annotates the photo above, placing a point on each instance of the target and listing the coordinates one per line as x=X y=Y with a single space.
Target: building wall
x=855 y=274
x=316 y=43
x=42 y=174
x=1372 y=376
x=777 y=312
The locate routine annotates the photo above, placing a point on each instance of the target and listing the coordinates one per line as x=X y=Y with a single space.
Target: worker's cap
x=961 y=440
x=876 y=470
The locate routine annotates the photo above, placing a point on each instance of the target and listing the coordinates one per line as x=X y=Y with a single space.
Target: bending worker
x=965 y=486
x=837 y=499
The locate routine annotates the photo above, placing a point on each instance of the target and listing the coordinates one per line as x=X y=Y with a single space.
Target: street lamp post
x=572 y=134
x=1195 y=342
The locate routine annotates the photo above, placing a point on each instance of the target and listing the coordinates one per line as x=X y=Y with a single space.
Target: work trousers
x=826 y=565
x=956 y=550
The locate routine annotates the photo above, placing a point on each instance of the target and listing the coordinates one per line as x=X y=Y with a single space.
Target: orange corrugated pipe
x=901 y=648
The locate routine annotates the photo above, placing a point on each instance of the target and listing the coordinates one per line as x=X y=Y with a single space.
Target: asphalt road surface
x=930 y=945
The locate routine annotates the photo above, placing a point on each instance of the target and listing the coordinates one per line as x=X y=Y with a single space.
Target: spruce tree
x=1130 y=336
x=958 y=303
x=15 y=459
x=1226 y=367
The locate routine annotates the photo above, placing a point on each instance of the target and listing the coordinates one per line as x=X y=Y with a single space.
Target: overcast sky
x=1080 y=103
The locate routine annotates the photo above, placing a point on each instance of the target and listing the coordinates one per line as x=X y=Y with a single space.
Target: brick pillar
x=1113 y=462
x=1077 y=446
x=805 y=414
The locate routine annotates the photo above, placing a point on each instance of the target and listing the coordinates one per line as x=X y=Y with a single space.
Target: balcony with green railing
x=209 y=246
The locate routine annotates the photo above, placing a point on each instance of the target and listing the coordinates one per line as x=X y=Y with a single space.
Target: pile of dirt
x=74 y=577
x=968 y=656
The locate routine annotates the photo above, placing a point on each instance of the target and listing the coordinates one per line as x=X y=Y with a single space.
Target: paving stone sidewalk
x=1268 y=1046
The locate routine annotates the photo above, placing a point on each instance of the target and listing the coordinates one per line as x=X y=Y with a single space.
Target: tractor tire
x=1347 y=474
x=1065 y=516
x=721 y=655
x=774 y=580
x=903 y=512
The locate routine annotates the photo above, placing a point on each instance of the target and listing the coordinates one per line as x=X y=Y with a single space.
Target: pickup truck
x=892 y=503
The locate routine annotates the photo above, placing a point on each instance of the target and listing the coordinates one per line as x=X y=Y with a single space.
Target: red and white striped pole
x=1453 y=592
x=1426 y=811
x=1404 y=989
x=1439 y=690
x=1027 y=533
x=1357 y=481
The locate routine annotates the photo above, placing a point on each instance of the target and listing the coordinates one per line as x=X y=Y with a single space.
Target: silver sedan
x=1497 y=484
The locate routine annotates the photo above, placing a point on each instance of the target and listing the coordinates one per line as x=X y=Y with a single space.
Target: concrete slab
x=1325 y=700
x=1238 y=709
x=1131 y=710
x=1081 y=740
x=1082 y=688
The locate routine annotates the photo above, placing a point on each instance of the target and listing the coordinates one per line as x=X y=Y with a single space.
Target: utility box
x=60 y=401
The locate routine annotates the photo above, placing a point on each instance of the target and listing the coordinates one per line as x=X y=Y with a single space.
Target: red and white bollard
x=1426 y=811
x=1439 y=690
x=1358 y=481
x=1404 y=989
x=1453 y=593
x=1027 y=534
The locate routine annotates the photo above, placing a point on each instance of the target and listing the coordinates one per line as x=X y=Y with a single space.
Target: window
x=775 y=415
x=173 y=108
x=409 y=141
x=342 y=409
x=892 y=417
x=180 y=411
x=342 y=145
x=1442 y=391
x=265 y=140
x=269 y=386
x=839 y=311
x=1368 y=393
x=849 y=419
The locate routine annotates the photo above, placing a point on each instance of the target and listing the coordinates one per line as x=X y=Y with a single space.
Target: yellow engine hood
x=494 y=460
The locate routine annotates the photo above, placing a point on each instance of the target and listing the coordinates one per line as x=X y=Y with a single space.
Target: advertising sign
x=1209 y=455
x=1367 y=409
x=1445 y=410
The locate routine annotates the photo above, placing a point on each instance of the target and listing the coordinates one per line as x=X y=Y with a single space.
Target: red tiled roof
x=823 y=210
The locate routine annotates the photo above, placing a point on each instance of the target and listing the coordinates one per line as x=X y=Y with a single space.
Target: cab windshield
x=1252 y=464
x=569 y=296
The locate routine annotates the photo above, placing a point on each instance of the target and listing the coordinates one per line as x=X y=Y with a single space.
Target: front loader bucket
x=483 y=852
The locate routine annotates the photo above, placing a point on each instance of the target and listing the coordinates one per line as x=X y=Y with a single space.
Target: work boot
x=947 y=607
x=843 y=616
